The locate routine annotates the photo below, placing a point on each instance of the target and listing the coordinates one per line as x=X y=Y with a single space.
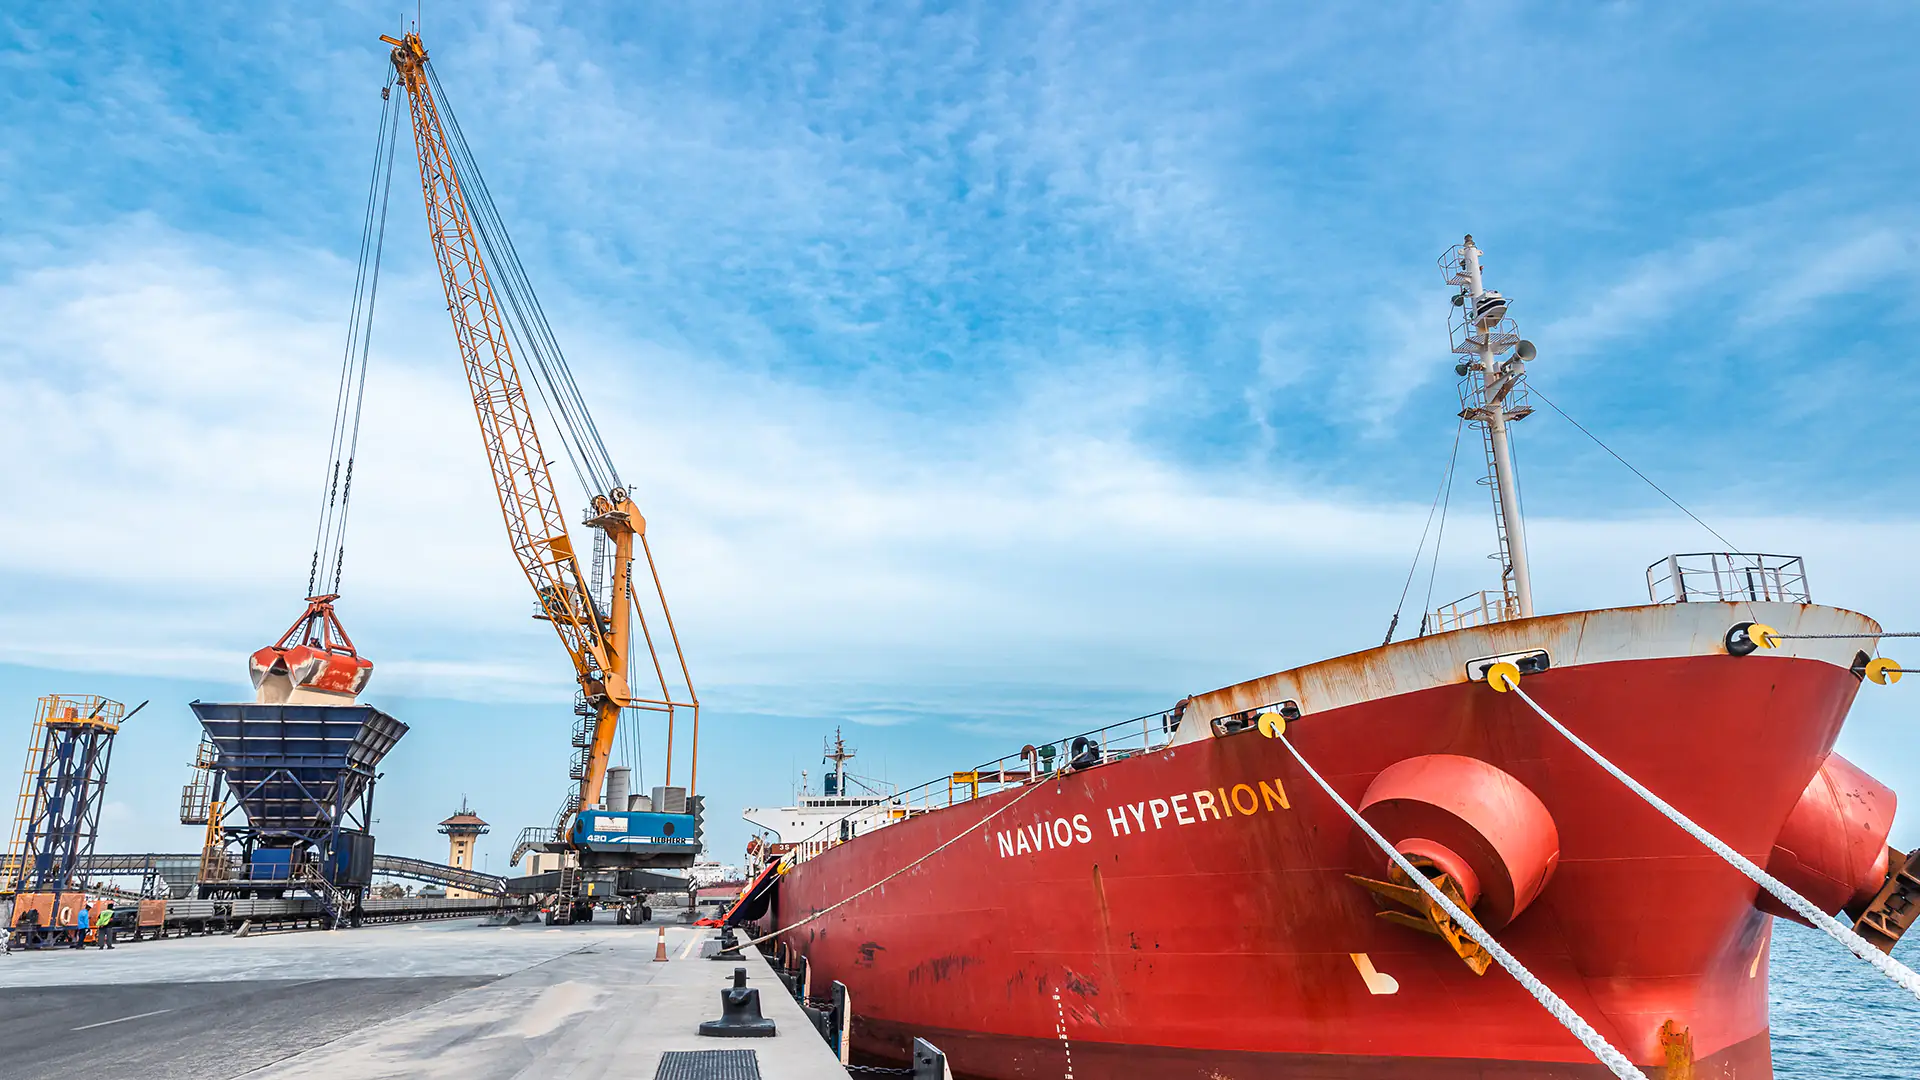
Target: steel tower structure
x=62 y=788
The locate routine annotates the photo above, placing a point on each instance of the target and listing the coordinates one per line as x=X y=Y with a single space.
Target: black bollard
x=729 y=946
x=739 y=1012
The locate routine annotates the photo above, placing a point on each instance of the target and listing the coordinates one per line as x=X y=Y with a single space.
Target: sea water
x=1836 y=1018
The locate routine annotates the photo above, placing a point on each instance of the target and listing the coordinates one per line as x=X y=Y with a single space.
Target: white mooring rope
x=1887 y=965
x=1612 y=1058
x=1015 y=801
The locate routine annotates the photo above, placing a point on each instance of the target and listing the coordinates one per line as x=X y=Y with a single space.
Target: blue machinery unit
x=302 y=776
x=642 y=835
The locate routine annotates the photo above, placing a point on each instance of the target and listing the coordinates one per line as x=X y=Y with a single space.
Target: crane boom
x=598 y=641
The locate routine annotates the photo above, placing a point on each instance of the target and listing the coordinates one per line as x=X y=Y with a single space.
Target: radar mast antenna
x=1492 y=396
x=838 y=753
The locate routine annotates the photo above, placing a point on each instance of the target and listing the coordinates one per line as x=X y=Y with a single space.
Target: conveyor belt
x=222 y=916
x=457 y=877
x=180 y=871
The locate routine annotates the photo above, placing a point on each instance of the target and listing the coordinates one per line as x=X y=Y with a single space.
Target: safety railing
x=196 y=799
x=533 y=838
x=1703 y=576
x=337 y=901
x=1114 y=742
x=196 y=796
x=1475 y=609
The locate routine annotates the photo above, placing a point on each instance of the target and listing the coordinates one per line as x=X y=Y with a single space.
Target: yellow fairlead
x=1883 y=670
x=1503 y=676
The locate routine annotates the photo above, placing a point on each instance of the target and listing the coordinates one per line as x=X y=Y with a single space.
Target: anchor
x=1422 y=914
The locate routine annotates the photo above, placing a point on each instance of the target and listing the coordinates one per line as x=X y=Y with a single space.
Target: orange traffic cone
x=660 y=949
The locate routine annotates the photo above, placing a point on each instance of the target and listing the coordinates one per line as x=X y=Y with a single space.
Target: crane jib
x=479 y=269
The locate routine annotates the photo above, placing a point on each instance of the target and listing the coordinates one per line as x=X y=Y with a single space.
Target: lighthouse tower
x=462 y=830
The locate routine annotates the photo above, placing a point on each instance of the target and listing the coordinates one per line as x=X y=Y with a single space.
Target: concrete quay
x=440 y=999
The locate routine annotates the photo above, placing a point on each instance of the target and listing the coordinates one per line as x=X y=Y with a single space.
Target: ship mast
x=1492 y=395
x=837 y=753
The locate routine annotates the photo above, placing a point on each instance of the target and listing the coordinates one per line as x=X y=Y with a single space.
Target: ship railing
x=1475 y=609
x=1703 y=576
x=1030 y=764
x=1470 y=337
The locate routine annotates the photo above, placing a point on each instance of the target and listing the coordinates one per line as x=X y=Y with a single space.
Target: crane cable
x=1885 y=964
x=553 y=380
x=330 y=532
x=1596 y=1044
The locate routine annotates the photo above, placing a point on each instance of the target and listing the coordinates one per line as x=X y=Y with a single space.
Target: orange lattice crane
x=478 y=268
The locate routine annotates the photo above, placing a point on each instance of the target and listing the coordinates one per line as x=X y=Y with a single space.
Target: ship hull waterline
x=1233 y=944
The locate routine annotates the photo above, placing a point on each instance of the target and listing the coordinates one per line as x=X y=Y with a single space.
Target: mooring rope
x=1887 y=965
x=1015 y=801
x=1846 y=637
x=1595 y=1043
x=1540 y=990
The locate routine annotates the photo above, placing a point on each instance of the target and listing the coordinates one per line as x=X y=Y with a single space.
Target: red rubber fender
x=1475 y=821
x=1833 y=847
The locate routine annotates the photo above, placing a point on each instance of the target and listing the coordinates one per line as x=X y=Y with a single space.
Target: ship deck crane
x=596 y=613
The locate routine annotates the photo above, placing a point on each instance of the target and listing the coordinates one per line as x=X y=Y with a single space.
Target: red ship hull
x=1110 y=942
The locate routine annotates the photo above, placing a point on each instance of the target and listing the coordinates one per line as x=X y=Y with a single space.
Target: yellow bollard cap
x=1503 y=676
x=1883 y=670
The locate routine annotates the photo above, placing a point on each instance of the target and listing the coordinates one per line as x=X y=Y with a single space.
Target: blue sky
x=984 y=371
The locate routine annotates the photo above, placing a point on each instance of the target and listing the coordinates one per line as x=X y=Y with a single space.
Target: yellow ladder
x=13 y=867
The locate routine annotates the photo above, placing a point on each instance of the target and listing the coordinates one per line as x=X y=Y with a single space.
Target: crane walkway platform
x=441 y=999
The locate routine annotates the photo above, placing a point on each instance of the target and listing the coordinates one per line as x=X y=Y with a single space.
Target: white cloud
x=1407 y=348
x=1770 y=264
x=938 y=346
x=182 y=392
x=1830 y=266
x=1657 y=287
x=166 y=394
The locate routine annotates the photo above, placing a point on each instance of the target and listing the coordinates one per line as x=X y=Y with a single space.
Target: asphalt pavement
x=197 y=1029
x=452 y=999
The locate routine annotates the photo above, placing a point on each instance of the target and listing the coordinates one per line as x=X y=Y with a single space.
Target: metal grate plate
x=708 y=1065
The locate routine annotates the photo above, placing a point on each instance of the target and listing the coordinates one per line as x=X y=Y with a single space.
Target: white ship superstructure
x=846 y=806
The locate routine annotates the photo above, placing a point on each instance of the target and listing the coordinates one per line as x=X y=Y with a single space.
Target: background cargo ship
x=1173 y=896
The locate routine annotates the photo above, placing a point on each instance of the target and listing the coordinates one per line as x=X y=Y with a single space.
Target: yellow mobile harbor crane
x=594 y=614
